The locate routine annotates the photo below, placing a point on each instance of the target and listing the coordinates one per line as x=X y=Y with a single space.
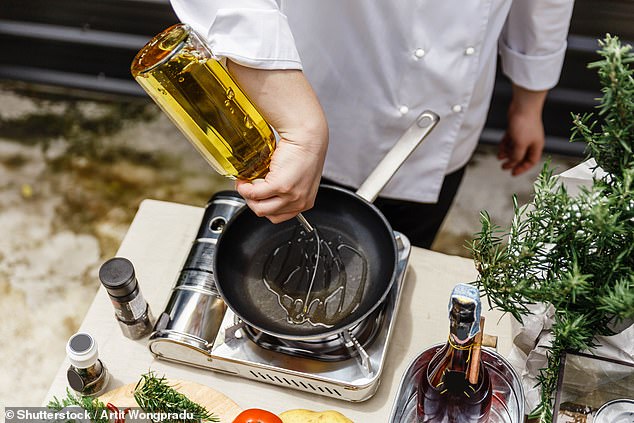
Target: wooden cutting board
x=214 y=401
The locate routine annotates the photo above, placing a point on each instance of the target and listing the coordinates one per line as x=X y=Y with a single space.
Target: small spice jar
x=131 y=310
x=86 y=374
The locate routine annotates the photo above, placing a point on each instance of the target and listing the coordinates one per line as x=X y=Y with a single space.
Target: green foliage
x=95 y=409
x=152 y=394
x=574 y=252
x=611 y=144
x=155 y=395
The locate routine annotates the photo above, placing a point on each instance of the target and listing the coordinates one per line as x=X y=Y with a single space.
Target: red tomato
x=255 y=415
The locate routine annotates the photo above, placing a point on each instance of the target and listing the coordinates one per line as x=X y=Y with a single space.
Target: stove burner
x=334 y=348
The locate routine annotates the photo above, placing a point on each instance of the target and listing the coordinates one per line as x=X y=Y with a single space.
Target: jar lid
x=118 y=277
x=82 y=350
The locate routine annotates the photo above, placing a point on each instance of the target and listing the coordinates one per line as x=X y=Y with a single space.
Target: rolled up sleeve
x=253 y=33
x=533 y=42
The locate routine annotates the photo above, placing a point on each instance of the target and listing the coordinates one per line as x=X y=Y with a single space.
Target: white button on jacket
x=357 y=54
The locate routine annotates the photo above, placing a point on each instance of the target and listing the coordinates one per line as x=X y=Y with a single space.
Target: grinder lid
x=82 y=350
x=118 y=277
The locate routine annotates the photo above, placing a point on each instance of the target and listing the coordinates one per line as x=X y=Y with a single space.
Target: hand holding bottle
x=288 y=103
x=183 y=76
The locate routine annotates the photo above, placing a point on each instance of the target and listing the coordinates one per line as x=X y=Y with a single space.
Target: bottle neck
x=454 y=357
x=460 y=353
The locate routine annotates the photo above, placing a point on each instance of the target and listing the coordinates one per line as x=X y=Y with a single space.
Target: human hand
x=522 y=145
x=288 y=103
x=290 y=186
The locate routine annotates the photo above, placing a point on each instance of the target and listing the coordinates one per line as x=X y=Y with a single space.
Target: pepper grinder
x=87 y=375
x=131 y=310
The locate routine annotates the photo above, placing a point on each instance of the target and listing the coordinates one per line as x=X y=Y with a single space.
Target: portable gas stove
x=197 y=329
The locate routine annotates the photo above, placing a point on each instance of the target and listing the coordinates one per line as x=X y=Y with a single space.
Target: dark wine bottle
x=455 y=386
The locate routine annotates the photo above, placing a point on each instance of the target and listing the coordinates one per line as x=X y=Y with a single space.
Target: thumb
x=249 y=190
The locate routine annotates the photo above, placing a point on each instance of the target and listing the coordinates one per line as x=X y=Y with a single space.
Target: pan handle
x=397 y=155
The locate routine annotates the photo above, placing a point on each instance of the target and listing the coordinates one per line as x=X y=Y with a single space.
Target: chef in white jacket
x=341 y=80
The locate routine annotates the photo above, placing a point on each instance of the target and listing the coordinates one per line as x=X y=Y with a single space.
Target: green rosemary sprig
x=95 y=409
x=610 y=142
x=155 y=395
x=574 y=252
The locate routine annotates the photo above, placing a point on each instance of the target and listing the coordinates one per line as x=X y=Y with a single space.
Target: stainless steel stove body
x=197 y=329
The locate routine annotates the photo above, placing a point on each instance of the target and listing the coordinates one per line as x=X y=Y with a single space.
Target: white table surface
x=158 y=242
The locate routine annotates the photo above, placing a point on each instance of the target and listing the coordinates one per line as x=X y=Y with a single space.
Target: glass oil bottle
x=181 y=74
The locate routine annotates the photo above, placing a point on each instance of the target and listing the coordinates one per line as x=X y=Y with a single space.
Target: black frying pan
x=245 y=251
x=247 y=242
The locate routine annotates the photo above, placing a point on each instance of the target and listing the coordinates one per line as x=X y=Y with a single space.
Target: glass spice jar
x=87 y=375
x=131 y=310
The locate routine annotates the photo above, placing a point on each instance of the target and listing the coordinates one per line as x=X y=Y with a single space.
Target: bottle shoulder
x=449 y=369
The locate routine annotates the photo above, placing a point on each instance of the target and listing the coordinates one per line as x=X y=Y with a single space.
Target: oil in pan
x=316 y=286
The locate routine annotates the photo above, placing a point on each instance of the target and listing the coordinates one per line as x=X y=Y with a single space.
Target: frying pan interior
x=246 y=246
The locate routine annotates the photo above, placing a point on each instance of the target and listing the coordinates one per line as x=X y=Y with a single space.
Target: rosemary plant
x=155 y=395
x=574 y=252
x=95 y=409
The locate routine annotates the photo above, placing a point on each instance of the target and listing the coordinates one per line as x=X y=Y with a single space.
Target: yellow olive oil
x=318 y=280
x=195 y=90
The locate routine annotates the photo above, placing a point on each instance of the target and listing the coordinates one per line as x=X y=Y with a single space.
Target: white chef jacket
x=376 y=65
